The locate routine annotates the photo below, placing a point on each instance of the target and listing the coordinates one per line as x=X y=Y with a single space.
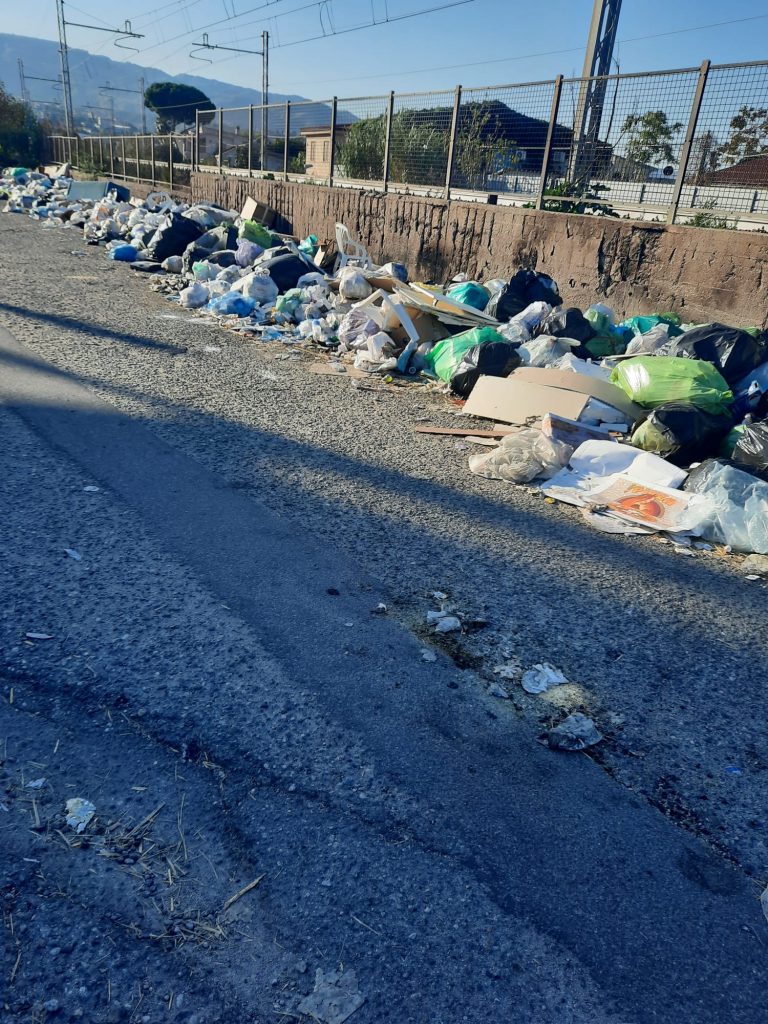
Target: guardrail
x=682 y=145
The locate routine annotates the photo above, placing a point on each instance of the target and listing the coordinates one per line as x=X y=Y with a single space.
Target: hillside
x=91 y=71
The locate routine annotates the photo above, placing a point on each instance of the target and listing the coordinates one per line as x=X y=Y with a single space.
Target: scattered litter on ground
x=448 y=624
x=39 y=636
x=74 y=555
x=91 y=488
x=427 y=655
x=497 y=690
x=577 y=732
x=79 y=813
x=542 y=677
x=335 y=997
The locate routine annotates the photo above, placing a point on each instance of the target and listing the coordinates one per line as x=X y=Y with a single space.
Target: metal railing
x=687 y=145
x=151 y=159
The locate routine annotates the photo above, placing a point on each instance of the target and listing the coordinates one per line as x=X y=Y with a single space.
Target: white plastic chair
x=351 y=252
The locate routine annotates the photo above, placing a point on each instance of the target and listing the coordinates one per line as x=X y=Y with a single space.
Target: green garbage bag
x=471 y=294
x=609 y=340
x=445 y=357
x=655 y=380
x=290 y=302
x=642 y=324
x=730 y=440
x=255 y=232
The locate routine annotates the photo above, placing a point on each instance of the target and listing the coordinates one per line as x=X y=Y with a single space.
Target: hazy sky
x=479 y=42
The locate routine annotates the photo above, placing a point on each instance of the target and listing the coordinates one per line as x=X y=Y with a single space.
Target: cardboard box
x=567 y=380
x=512 y=400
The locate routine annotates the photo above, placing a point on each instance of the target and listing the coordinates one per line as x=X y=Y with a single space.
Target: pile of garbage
x=647 y=424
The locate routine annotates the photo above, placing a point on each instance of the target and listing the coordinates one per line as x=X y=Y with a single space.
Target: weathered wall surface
x=703 y=274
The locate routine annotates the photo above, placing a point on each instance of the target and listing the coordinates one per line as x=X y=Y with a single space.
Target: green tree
x=650 y=137
x=174 y=104
x=418 y=151
x=22 y=136
x=749 y=135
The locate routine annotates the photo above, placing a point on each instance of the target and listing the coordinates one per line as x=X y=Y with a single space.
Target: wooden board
x=466 y=432
x=516 y=401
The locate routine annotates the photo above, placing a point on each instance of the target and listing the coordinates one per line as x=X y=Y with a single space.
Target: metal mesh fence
x=728 y=165
x=501 y=135
x=622 y=137
x=420 y=138
x=361 y=138
x=617 y=143
x=309 y=143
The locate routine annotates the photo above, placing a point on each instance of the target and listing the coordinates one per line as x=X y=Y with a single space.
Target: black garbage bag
x=681 y=432
x=286 y=267
x=493 y=359
x=222 y=258
x=567 y=322
x=173 y=238
x=224 y=237
x=525 y=287
x=734 y=352
x=751 y=450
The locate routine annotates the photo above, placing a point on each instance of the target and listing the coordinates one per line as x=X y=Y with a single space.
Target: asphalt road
x=407 y=825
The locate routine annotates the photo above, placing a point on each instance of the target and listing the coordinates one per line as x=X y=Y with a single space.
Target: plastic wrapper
x=445 y=357
x=355 y=329
x=654 y=341
x=247 y=252
x=232 y=302
x=545 y=351
x=194 y=296
x=353 y=285
x=521 y=457
x=494 y=359
x=470 y=293
x=639 y=325
x=733 y=352
x=656 y=380
x=204 y=271
x=737 y=506
x=525 y=287
x=681 y=432
x=123 y=253
x=258 y=286
x=290 y=303
x=173 y=265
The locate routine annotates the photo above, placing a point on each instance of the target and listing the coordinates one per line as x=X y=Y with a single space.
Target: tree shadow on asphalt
x=94 y=330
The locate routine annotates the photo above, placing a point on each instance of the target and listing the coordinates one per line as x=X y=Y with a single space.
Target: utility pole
x=142 y=109
x=64 y=54
x=24 y=96
x=126 y=32
x=264 y=98
x=597 y=64
x=264 y=54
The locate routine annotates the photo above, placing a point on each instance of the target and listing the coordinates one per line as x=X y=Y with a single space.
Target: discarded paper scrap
x=659 y=507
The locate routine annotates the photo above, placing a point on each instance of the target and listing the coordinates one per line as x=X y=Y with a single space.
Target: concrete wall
x=704 y=274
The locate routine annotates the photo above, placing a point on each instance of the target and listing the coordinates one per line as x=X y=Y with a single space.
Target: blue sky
x=480 y=42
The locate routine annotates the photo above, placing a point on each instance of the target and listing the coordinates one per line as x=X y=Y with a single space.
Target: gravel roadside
x=664 y=650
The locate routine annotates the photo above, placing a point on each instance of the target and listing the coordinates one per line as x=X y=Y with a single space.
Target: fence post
x=388 y=139
x=170 y=161
x=287 y=143
x=138 y=155
x=685 y=152
x=93 y=158
x=101 y=154
x=250 y=140
x=122 y=150
x=452 y=142
x=221 y=138
x=152 y=151
x=196 y=144
x=111 y=157
x=547 y=156
x=334 y=109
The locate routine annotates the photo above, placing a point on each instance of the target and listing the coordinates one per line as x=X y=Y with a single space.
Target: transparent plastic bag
x=737 y=506
x=522 y=457
x=545 y=351
x=196 y=295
